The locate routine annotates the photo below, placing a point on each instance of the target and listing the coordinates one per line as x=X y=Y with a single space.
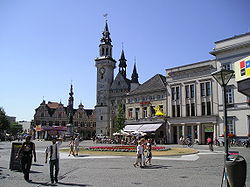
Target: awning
x=143 y=127
x=149 y=127
x=131 y=128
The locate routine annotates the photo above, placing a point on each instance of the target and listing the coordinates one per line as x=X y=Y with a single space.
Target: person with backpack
x=26 y=152
x=53 y=152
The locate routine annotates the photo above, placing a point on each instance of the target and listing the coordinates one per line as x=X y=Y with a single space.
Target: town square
x=125 y=93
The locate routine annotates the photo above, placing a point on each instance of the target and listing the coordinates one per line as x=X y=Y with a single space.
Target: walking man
x=53 y=152
x=27 y=149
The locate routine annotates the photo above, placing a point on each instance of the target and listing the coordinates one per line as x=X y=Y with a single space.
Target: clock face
x=102 y=70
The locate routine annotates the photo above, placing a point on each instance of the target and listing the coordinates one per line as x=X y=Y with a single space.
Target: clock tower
x=105 y=65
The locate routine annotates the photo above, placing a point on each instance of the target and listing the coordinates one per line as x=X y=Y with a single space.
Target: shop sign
x=209 y=129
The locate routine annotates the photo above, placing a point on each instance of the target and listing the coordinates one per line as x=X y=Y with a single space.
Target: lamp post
x=222 y=77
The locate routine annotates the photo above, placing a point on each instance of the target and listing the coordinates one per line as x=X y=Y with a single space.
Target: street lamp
x=222 y=77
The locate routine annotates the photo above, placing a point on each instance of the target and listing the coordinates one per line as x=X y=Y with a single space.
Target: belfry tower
x=105 y=65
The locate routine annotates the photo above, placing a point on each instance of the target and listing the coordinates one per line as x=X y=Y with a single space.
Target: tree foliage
x=120 y=118
x=15 y=129
x=4 y=122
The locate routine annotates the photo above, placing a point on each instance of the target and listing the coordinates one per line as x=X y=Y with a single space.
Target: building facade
x=192 y=101
x=226 y=53
x=52 y=118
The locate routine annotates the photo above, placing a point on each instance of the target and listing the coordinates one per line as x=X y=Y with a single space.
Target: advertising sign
x=242 y=69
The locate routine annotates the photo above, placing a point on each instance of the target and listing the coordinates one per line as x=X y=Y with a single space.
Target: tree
x=120 y=118
x=15 y=129
x=4 y=122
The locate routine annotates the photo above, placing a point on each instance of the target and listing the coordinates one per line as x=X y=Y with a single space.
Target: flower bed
x=123 y=148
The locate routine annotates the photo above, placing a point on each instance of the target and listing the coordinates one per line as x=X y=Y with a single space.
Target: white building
x=227 y=52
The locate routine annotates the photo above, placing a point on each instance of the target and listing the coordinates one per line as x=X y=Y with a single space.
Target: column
x=192 y=132
x=199 y=134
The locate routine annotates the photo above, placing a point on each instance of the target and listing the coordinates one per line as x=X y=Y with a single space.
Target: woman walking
x=149 y=152
x=71 y=146
x=139 y=153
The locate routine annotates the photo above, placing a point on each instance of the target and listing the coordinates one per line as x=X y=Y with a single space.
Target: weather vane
x=105 y=16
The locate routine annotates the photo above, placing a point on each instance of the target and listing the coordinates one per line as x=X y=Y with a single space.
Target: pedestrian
x=26 y=152
x=71 y=146
x=210 y=143
x=139 y=153
x=77 y=142
x=53 y=152
x=149 y=152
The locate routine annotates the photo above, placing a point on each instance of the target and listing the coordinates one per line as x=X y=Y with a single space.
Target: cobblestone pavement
x=197 y=170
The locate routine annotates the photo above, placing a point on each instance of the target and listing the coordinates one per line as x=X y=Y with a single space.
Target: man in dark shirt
x=27 y=149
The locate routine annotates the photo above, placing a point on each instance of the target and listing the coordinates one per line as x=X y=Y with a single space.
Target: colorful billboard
x=242 y=69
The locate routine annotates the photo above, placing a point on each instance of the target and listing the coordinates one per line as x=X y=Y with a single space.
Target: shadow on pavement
x=73 y=184
x=41 y=183
x=37 y=165
x=156 y=167
x=32 y=171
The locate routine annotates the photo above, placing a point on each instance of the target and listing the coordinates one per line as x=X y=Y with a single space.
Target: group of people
x=74 y=146
x=141 y=159
x=27 y=152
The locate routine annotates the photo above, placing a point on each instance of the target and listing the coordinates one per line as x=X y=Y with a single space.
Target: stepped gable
x=157 y=82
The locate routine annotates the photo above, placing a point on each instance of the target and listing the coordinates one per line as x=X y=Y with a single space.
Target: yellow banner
x=242 y=69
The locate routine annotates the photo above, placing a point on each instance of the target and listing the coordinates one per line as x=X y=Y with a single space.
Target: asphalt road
x=197 y=170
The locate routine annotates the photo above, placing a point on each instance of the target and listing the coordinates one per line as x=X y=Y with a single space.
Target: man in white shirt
x=53 y=152
x=77 y=142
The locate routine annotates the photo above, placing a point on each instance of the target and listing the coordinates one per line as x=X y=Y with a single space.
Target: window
x=192 y=90
x=145 y=112
x=229 y=96
x=177 y=93
x=173 y=110
x=101 y=117
x=187 y=91
x=178 y=110
x=42 y=114
x=192 y=109
x=202 y=89
x=130 y=112
x=203 y=109
x=173 y=93
x=230 y=125
x=152 y=110
x=208 y=88
x=187 y=109
x=208 y=108
x=228 y=66
x=137 y=113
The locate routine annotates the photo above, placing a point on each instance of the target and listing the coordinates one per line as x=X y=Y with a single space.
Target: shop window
x=152 y=110
x=137 y=113
x=145 y=112
x=130 y=113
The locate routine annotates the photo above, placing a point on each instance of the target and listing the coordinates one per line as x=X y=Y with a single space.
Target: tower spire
x=134 y=77
x=106 y=34
x=123 y=64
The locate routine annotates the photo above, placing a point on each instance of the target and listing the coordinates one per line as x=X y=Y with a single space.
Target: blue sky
x=45 y=44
